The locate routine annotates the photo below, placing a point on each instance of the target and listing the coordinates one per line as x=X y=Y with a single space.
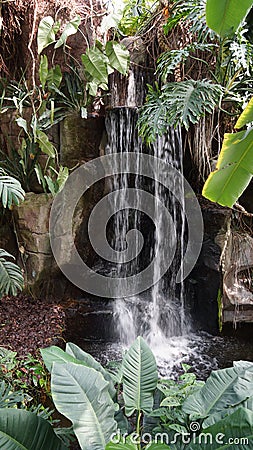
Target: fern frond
x=11 y=278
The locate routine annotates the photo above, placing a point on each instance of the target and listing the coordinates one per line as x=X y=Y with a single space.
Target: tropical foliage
x=225 y=17
x=24 y=421
x=58 y=95
x=234 y=167
x=131 y=404
x=225 y=62
x=126 y=406
x=11 y=277
x=177 y=104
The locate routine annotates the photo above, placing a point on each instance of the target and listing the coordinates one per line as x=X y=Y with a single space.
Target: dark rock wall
x=205 y=280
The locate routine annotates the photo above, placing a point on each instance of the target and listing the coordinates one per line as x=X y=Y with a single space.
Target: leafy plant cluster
x=234 y=167
x=11 y=276
x=227 y=62
x=130 y=408
x=58 y=95
x=135 y=15
x=24 y=391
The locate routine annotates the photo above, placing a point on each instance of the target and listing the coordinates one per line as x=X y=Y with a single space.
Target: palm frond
x=11 y=278
x=11 y=191
x=177 y=104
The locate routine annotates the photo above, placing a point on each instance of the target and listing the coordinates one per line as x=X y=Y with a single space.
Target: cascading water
x=158 y=313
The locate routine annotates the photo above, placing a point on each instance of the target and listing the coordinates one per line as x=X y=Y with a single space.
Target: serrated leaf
x=11 y=277
x=62 y=177
x=178 y=103
x=11 y=191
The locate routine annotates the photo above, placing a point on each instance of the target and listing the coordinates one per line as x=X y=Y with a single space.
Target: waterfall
x=158 y=313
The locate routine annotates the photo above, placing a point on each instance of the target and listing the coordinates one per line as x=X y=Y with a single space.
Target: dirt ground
x=26 y=324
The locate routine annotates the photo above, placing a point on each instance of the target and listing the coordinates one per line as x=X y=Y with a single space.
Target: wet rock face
x=204 y=282
x=90 y=318
x=202 y=287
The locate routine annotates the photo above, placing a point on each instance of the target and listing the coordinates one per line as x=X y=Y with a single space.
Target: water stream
x=159 y=313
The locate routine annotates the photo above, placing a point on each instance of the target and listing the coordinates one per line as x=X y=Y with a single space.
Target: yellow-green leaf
x=246 y=116
x=225 y=16
x=234 y=169
x=43 y=70
x=94 y=62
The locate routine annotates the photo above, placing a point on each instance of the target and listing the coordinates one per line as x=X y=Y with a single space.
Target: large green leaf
x=234 y=169
x=89 y=361
x=11 y=277
x=157 y=446
x=246 y=116
x=55 y=354
x=46 y=33
x=54 y=77
x=217 y=394
x=70 y=28
x=139 y=377
x=44 y=144
x=75 y=355
x=118 y=56
x=24 y=430
x=43 y=70
x=121 y=446
x=95 y=64
x=225 y=16
x=189 y=100
x=11 y=191
x=81 y=394
x=235 y=432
